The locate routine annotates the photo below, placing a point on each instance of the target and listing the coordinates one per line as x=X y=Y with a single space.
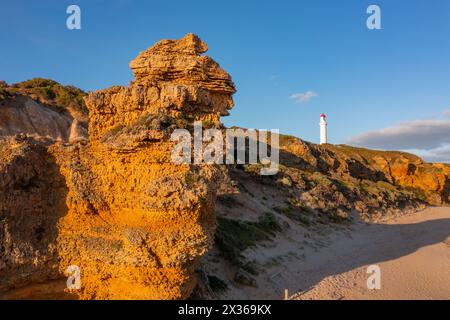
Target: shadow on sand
x=374 y=244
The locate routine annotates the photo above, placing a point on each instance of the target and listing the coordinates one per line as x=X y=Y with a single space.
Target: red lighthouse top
x=323 y=115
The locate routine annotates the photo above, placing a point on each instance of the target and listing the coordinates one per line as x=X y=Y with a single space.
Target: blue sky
x=365 y=80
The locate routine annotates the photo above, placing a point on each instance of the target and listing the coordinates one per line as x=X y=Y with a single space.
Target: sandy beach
x=413 y=253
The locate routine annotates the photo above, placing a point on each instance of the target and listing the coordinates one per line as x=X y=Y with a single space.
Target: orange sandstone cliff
x=135 y=223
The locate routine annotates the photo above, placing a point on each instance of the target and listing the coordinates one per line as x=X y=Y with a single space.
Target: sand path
x=413 y=253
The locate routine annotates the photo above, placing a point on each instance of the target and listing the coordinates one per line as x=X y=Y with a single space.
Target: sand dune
x=413 y=253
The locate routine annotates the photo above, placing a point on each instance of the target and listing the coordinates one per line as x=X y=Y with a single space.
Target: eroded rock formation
x=376 y=184
x=134 y=222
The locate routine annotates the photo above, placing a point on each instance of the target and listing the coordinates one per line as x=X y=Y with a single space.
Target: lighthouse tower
x=323 y=129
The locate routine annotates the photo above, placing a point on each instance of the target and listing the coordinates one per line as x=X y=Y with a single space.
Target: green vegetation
x=207 y=124
x=337 y=215
x=234 y=236
x=343 y=186
x=287 y=140
x=369 y=187
x=367 y=154
x=113 y=132
x=3 y=90
x=157 y=122
x=380 y=188
x=321 y=179
x=383 y=185
x=254 y=169
x=418 y=193
x=217 y=285
x=192 y=178
x=297 y=203
x=295 y=209
x=48 y=92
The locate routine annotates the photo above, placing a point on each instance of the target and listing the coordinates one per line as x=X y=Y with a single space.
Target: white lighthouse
x=323 y=129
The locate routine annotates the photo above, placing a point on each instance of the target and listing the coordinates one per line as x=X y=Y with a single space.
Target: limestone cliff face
x=43 y=109
x=135 y=223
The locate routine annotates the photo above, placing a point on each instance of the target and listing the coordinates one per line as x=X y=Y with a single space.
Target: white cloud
x=303 y=97
x=441 y=154
x=446 y=113
x=428 y=138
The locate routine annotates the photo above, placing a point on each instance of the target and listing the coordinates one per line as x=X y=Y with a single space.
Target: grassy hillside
x=47 y=92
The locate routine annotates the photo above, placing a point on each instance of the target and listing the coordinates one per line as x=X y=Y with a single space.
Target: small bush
x=35 y=83
x=50 y=92
x=113 y=133
x=217 y=285
x=418 y=193
x=295 y=210
x=234 y=236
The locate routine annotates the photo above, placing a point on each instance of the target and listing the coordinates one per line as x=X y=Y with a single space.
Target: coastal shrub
x=50 y=92
x=295 y=210
x=234 y=236
x=217 y=285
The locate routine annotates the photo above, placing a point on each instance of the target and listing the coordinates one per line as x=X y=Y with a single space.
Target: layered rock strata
x=132 y=221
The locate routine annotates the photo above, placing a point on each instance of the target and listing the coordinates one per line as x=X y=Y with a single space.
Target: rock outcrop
x=340 y=179
x=43 y=109
x=135 y=223
x=173 y=79
x=428 y=181
x=371 y=170
x=32 y=201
